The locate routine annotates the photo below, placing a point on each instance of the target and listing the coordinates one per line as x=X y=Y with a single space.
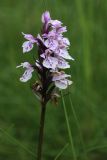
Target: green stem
x=41 y=132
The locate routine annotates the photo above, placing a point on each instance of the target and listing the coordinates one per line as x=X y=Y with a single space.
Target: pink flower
x=28 y=72
x=50 y=62
x=29 y=37
x=63 y=53
x=53 y=62
x=55 y=24
x=51 y=44
x=28 y=45
x=60 y=79
x=63 y=83
x=62 y=64
x=62 y=30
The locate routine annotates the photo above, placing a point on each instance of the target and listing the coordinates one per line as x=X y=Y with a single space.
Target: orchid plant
x=50 y=65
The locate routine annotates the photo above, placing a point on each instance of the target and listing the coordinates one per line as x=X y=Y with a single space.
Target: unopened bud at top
x=46 y=17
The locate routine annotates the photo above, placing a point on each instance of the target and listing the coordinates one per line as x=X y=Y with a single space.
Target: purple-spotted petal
x=28 y=71
x=63 y=84
x=64 y=54
x=56 y=24
x=51 y=44
x=29 y=37
x=62 y=64
x=50 y=62
x=62 y=30
x=59 y=76
x=66 y=41
x=60 y=79
x=27 y=75
x=27 y=46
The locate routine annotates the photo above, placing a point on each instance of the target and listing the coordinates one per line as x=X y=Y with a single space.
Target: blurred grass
x=19 y=110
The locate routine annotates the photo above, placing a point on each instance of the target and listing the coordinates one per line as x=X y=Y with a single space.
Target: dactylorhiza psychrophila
x=52 y=59
x=50 y=65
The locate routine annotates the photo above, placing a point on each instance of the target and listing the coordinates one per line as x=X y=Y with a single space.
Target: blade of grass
x=13 y=140
x=68 y=128
x=61 y=152
x=78 y=126
x=86 y=42
x=96 y=147
x=10 y=127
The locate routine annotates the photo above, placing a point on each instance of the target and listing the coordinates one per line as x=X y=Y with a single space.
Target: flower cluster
x=52 y=55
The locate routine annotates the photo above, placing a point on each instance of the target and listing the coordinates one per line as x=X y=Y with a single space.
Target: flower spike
x=52 y=57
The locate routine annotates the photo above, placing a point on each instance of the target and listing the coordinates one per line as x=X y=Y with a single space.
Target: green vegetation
x=84 y=103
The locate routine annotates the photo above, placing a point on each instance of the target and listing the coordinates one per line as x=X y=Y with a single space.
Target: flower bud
x=46 y=17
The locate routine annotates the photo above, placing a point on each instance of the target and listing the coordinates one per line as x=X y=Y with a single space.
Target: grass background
x=20 y=111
